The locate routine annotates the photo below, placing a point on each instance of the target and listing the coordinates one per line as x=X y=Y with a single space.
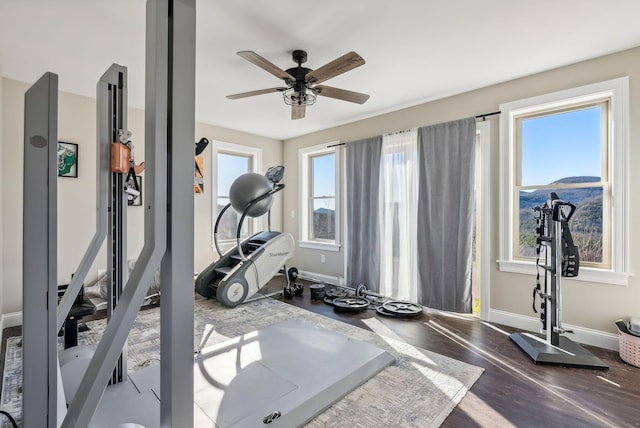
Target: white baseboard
x=318 y=277
x=11 y=319
x=583 y=335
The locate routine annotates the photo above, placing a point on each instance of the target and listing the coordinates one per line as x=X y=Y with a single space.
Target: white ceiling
x=415 y=50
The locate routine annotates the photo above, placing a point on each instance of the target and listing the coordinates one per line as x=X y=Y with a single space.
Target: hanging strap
x=131 y=177
x=570 y=255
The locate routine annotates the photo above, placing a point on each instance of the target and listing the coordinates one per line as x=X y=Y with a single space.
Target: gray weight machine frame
x=169 y=136
x=551 y=347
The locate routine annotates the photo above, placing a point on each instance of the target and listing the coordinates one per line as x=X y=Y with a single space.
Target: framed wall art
x=67 y=159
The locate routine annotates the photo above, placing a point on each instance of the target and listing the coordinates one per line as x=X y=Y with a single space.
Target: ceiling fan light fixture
x=298 y=98
x=302 y=84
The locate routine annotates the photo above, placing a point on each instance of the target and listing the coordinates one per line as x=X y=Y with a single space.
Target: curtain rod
x=484 y=116
x=480 y=116
x=336 y=145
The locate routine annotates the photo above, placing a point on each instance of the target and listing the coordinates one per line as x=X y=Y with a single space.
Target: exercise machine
x=239 y=273
x=168 y=243
x=561 y=259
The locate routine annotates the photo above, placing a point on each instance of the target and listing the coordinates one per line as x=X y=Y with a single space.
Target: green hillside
x=585 y=225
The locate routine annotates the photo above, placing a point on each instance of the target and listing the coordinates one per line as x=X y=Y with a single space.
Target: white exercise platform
x=287 y=373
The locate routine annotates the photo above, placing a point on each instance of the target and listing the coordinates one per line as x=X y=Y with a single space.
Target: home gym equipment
x=350 y=304
x=238 y=274
x=295 y=290
x=349 y=299
x=561 y=259
x=398 y=309
x=317 y=291
x=168 y=242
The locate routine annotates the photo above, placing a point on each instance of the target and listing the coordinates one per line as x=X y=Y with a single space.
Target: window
x=319 y=199
x=566 y=143
x=230 y=162
x=322 y=197
x=565 y=152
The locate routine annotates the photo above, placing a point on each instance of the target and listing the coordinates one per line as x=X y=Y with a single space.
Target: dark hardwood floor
x=512 y=391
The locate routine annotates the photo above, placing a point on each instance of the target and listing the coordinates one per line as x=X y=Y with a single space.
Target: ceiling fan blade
x=341 y=94
x=298 y=111
x=338 y=66
x=265 y=64
x=252 y=93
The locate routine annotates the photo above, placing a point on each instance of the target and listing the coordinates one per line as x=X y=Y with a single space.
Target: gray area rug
x=419 y=390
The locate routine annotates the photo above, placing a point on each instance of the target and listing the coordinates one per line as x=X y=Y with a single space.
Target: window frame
x=305 y=156
x=604 y=183
x=617 y=92
x=255 y=155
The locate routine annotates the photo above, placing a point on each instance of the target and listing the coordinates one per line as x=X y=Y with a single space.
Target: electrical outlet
x=293 y=214
x=322 y=259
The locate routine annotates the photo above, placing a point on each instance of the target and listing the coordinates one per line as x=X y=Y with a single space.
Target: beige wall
x=1 y=207
x=76 y=196
x=588 y=305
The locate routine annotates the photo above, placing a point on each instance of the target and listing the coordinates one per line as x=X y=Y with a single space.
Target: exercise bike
x=244 y=269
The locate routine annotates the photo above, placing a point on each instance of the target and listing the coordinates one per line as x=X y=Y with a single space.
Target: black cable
x=8 y=415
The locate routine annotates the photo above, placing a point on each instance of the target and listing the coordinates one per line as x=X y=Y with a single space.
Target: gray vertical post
x=117 y=265
x=176 y=321
x=107 y=352
x=115 y=76
x=39 y=266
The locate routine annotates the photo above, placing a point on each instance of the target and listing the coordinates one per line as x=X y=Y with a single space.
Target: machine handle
x=215 y=229
x=276 y=188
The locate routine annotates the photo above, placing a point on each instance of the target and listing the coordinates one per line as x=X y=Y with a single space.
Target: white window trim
x=618 y=91
x=256 y=166
x=303 y=207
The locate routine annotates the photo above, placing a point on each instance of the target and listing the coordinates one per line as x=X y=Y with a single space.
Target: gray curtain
x=446 y=215
x=362 y=182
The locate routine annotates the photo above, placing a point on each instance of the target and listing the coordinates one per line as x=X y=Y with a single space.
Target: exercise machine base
x=568 y=353
x=288 y=372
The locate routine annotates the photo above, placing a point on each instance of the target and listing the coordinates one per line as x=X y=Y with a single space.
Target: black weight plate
x=351 y=304
x=401 y=309
x=288 y=293
x=317 y=287
x=335 y=293
x=382 y=311
x=361 y=290
x=328 y=300
x=292 y=273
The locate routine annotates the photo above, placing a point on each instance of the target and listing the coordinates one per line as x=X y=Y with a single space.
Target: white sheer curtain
x=398 y=214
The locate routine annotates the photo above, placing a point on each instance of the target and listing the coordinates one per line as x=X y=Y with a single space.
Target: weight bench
x=82 y=307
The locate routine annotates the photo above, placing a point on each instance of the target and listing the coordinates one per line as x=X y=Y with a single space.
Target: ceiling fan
x=302 y=84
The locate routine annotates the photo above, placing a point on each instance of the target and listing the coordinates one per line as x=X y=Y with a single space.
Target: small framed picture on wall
x=67 y=159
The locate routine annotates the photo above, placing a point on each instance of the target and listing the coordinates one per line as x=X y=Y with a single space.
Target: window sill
x=314 y=245
x=601 y=276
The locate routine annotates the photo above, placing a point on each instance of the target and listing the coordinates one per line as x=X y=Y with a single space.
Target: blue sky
x=561 y=145
x=324 y=173
x=228 y=169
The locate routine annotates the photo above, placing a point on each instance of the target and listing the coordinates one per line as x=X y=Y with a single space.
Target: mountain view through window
x=563 y=153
